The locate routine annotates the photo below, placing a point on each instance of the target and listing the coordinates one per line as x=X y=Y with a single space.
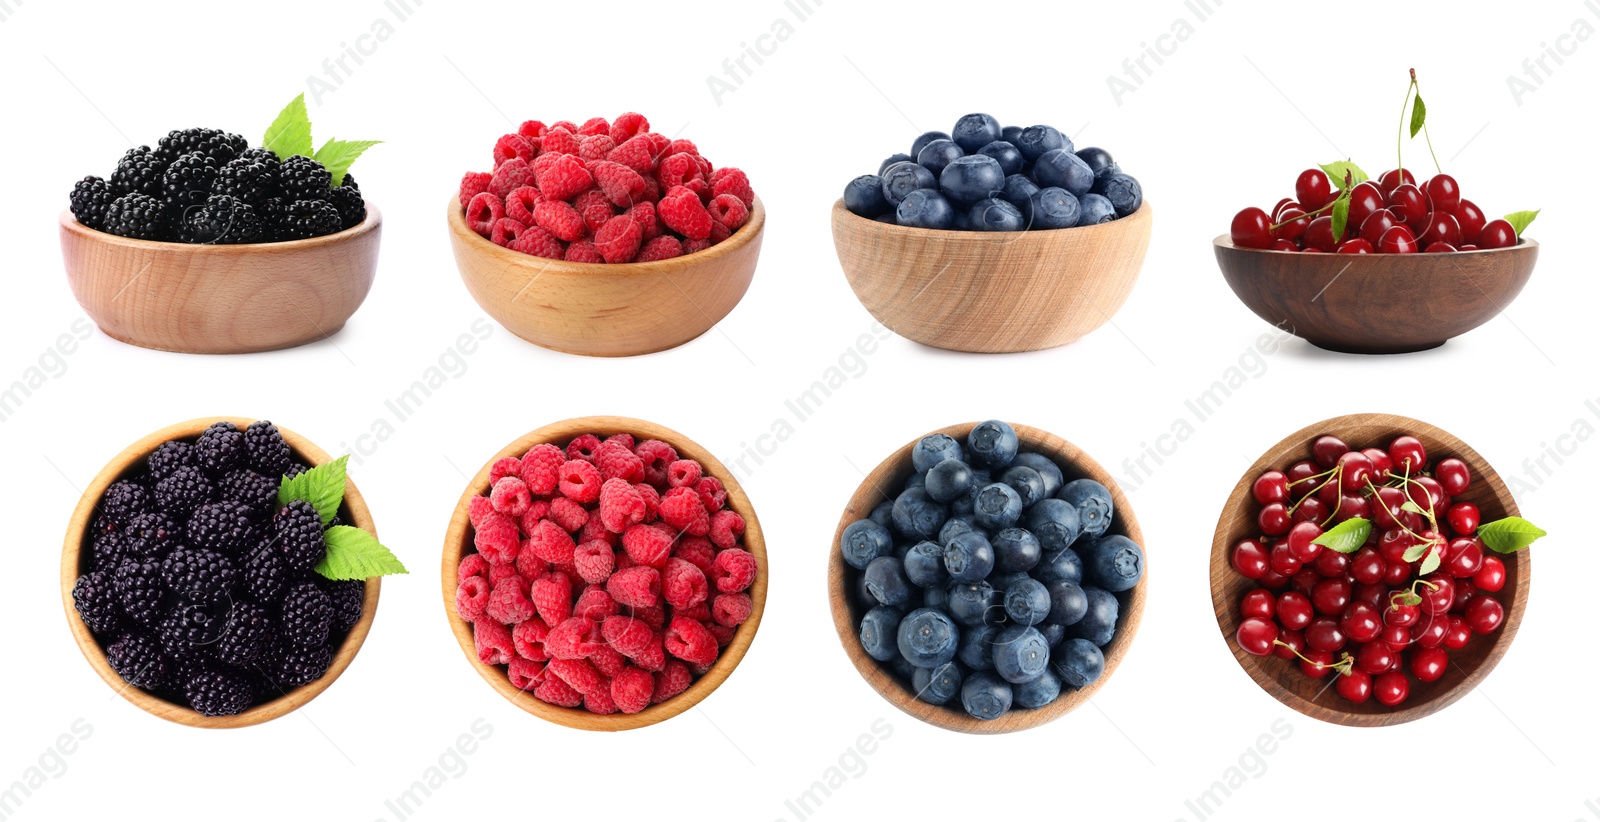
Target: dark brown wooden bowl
x=1376 y=303
x=892 y=474
x=1315 y=697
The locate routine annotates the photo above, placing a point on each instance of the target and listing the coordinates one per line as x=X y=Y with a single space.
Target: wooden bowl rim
x=1222 y=541
x=71 y=567
x=1129 y=617
x=1123 y=224
x=458 y=545
x=70 y=225
x=473 y=241
x=1523 y=244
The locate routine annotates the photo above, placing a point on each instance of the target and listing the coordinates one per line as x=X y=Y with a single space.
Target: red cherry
x=1398 y=573
x=1398 y=240
x=1284 y=561
x=1273 y=580
x=1375 y=657
x=1250 y=559
x=1355 y=469
x=1313 y=189
x=1364 y=200
x=1355 y=245
x=1282 y=204
x=1453 y=475
x=1492 y=576
x=1391 y=688
x=1464 y=594
x=1324 y=634
x=1317 y=664
x=1440 y=228
x=1256 y=636
x=1366 y=566
x=1439 y=248
x=1354 y=685
x=1464 y=558
x=1302 y=477
x=1327 y=449
x=1463 y=518
x=1430 y=633
x=1295 y=610
x=1408 y=452
x=1300 y=541
x=1401 y=615
x=1293 y=643
x=1428 y=492
x=1374 y=595
x=1393 y=179
x=1258 y=604
x=1394 y=544
x=1274 y=519
x=1409 y=205
x=1284 y=245
x=1438 y=594
x=1429 y=664
x=1497 y=234
x=1472 y=220
x=1311 y=510
x=1386 y=511
x=1252 y=229
x=1380 y=463
x=1332 y=564
x=1484 y=614
x=1373 y=228
x=1443 y=192
x=1305 y=579
x=1397 y=637
x=1332 y=596
x=1271 y=486
x=1319 y=235
x=1458 y=634
x=1361 y=622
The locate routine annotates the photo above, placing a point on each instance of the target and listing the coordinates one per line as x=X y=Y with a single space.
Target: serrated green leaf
x=339 y=155
x=1412 y=506
x=1415 y=553
x=290 y=133
x=1430 y=563
x=1419 y=115
x=356 y=554
x=1520 y=220
x=1341 y=217
x=1338 y=169
x=322 y=486
x=1347 y=537
x=1509 y=535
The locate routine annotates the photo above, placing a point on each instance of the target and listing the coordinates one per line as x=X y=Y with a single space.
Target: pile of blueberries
x=981 y=177
x=991 y=579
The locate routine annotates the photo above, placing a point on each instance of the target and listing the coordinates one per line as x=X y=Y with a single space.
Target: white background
x=1259 y=92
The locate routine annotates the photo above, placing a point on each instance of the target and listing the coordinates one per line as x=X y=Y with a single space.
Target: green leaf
x=1412 y=506
x=1337 y=170
x=1430 y=563
x=357 y=554
x=1415 y=552
x=1407 y=597
x=1341 y=216
x=322 y=486
x=290 y=134
x=340 y=155
x=1509 y=535
x=1419 y=115
x=1347 y=537
x=1521 y=220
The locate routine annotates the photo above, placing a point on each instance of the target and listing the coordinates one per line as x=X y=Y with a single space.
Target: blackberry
x=123 y=501
x=263 y=156
x=139 y=660
x=297 y=535
x=198 y=574
x=303 y=666
x=352 y=208
x=247 y=180
x=350 y=182
x=266 y=452
x=96 y=601
x=220 y=449
x=227 y=527
x=272 y=211
x=309 y=218
x=265 y=576
x=91 y=198
x=306 y=617
x=215 y=692
x=108 y=550
x=296 y=468
x=168 y=457
x=346 y=597
x=187 y=183
x=139 y=590
x=219 y=146
x=183 y=491
x=224 y=220
x=137 y=217
x=192 y=629
x=151 y=535
x=245 y=636
x=139 y=172
x=258 y=494
x=302 y=178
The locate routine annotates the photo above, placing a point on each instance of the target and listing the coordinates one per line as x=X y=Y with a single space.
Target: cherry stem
x=1399 y=137
x=1425 y=136
x=1342 y=666
x=1312 y=214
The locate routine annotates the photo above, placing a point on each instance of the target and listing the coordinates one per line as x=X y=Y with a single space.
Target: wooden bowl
x=73 y=563
x=602 y=310
x=986 y=292
x=220 y=299
x=1376 y=303
x=1315 y=697
x=458 y=544
x=891 y=474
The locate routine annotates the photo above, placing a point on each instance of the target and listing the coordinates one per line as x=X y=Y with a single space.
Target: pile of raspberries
x=608 y=575
x=604 y=192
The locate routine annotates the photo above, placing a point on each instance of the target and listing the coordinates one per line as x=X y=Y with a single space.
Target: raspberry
x=528 y=639
x=672 y=680
x=510 y=176
x=681 y=146
x=653 y=656
x=697 y=246
x=683 y=473
x=619 y=239
x=654 y=616
x=595 y=208
x=712 y=493
x=729 y=212
x=594 y=604
x=541 y=469
x=631 y=690
x=472 y=565
x=595 y=147
x=514 y=145
x=600 y=702
x=649 y=219
x=506 y=231
x=651 y=497
x=608 y=661
x=595 y=125
x=569 y=639
x=683 y=212
x=683 y=585
x=682 y=509
x=595 y=531
x=580 y=481
x=576 y=672
x=564 y=178
x=698 y=551
x=699 y=612
x=556 y=692
x=620 y=505
x=627 y=126
x=500 y=573
x=537 y=242
x=734 y=570
x=584 y=251
x=552 y=598
x=545 y=161
x=560 y=219
x=529 y=566
x=647 y=545
x=510 y=496
x=723 y=633
x=484 y=211
x=594 y=561
x=635 y=153
x=678 y=169
x=733 y=181
x=660 y=248
x=731 y=609
x=559 y=140
x=521 y=203
x=531 y=129
x=525 y=673
x=472 y=598
x=637 y=587
x=657 y=456
x=497 y=539
x=726 y=528
x=617 y=461
x=509 y=603
x=583 y=447
x=627 y=635
x=622 y=185
x=477 y=509
x=493 y=642
x=690 y=641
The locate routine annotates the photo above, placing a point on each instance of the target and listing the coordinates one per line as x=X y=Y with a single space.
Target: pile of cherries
x=1390 y=216
x=1378 y=612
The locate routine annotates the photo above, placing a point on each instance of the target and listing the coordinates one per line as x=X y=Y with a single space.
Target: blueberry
x=970 y=179
x=1098 y=159
x=1114 y=563
x=993 y=444
x=900 y=179
x=859 y=593
x=924 y=565
x=1068 y=603
x=1011 y=133
x=1016 y=551
x=886 y=581
x=898 y=158
x=902 y=670
x=1124 y=193
x=1026 y=482
x=917 y=516
x=1093 y=502
x=1006 y=154
x=949 y=480
x=970 y=603
x=883 y=514
x=986 y=696
x=1053 y=208
x=975 y=131
x=928 y=638
x=1035 y=141
x=1053 y=633
x=959 y=524
x=966 y=504
x=922 y=142
x=938 y=154
x=1063 y=169
x=976 y=650
x=864 y=541
x=1027 y=602
x=864 y=196
x=1094 y=209
x=1079 y=663
x=932 y=450
x=1047 y=468
x=1020 y=654
x=995 y=214
x=879 y=630
x=997 y=507
x=939 y=685
x=1019 y=191
x=969 y=557
x=1053 y=521
x=936 y=597
x=1064 y=564
x=1039 y=692
x=1099 y=623
x=926 y=208
x=915 y=481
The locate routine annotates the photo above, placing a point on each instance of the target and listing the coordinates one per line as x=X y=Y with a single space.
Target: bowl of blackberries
x=222 y=573
x=206 y=244
x=993 y=238
x=987 y=578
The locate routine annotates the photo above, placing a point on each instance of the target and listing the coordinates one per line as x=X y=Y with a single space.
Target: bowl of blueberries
x=993 y=238
x=987 y=578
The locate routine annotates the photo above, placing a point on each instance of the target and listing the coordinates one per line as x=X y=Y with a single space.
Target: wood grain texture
x=458 y=543
x=987 y=292
x=221 y=299
x=1313 y=697
x=74 y=562
x=1376 y=303
x=890 y=475
x=602 y=310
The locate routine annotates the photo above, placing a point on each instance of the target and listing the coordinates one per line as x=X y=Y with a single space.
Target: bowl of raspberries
x=577 y=228
x=987 y=578
x=205 y=244
x=604 y=573
x=208 y=572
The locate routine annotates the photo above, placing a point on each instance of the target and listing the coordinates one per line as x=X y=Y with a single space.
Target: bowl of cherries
x=1370 y=570
x=1382 y=266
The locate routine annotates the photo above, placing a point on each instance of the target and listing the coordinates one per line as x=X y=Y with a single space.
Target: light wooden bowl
x=602 y=310
x=1315 y=697
x=1376 y=303
x=220 y=299
x=987 y=292
x=458 y=544
x=73 y=563
x=890 y=475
